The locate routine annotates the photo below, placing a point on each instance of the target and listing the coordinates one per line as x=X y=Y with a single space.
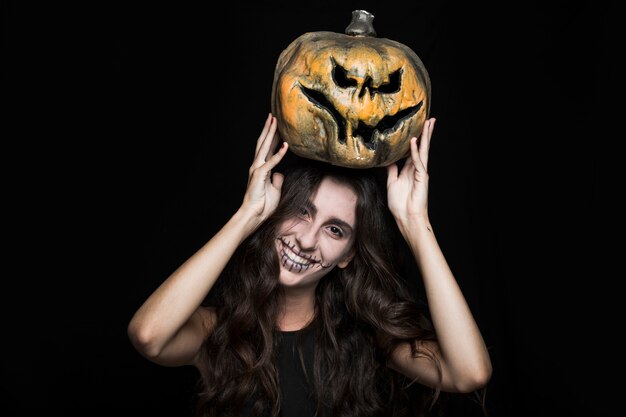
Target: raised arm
x=170 y=327
x=465 y=362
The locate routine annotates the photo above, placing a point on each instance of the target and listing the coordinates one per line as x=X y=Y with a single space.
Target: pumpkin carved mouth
x=369 y=135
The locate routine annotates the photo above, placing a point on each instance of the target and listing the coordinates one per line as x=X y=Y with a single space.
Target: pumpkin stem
x=362 y=24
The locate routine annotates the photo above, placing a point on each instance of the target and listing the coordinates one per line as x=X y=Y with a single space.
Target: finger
x=266 y=128
x=425 y=143
x=276 y=158
x=264 y=170
x=264 y=150
x=392 y=173
x=415 y=155
x=275 y=141
x=277 y=180
x=408 y=163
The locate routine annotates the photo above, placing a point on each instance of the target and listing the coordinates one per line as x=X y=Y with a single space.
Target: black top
x=296 y=393
x=293 y=373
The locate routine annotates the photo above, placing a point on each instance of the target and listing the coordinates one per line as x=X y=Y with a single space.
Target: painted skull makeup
x=319 y=237
x=295 y=260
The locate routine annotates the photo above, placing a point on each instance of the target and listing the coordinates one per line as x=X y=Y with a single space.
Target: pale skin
x=171 y=325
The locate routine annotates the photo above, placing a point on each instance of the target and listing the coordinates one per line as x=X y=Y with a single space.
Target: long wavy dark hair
x=362 y=313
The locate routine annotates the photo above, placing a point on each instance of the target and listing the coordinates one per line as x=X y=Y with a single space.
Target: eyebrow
x=337 y=221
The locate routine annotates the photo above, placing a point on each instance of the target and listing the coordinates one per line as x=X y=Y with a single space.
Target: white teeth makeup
x=292 y=265
x=294 y=260
x=291 y=260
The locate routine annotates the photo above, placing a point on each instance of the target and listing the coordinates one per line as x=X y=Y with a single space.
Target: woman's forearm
x=170 y=306
x=460 y=341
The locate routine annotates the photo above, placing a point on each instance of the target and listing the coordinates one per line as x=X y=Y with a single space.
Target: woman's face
x=320 y=237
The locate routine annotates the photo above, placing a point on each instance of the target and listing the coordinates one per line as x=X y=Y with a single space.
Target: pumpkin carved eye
x=343 y=80
x=350 y=99
x=393 y=85
x=340 y=76
x=390 y=87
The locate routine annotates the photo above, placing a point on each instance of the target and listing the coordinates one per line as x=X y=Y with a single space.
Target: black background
x=129 y=128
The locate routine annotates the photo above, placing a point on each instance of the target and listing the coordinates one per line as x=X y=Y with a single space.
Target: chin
x=291 y=280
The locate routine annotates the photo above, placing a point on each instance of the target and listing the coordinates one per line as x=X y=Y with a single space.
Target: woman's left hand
x=407 y=192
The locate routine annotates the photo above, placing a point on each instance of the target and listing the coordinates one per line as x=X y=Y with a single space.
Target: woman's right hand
x=263 y=190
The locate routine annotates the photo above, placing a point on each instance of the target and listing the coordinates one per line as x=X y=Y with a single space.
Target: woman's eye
x=336 y=231
x=303 y=212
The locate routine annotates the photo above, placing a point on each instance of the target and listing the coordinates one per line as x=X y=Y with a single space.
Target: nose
x=306 y=237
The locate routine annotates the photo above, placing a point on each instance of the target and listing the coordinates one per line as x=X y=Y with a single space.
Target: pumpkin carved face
x=351 y=99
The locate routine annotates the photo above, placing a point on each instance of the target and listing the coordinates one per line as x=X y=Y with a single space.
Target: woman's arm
x=465 y=362
x=170 y=326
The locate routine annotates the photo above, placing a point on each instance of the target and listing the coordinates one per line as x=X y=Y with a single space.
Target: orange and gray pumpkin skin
x=353 y=101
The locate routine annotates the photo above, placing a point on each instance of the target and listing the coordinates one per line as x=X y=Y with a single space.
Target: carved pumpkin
x=351 y=99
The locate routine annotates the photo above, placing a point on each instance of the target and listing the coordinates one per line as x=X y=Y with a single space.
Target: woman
x=308 y=314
